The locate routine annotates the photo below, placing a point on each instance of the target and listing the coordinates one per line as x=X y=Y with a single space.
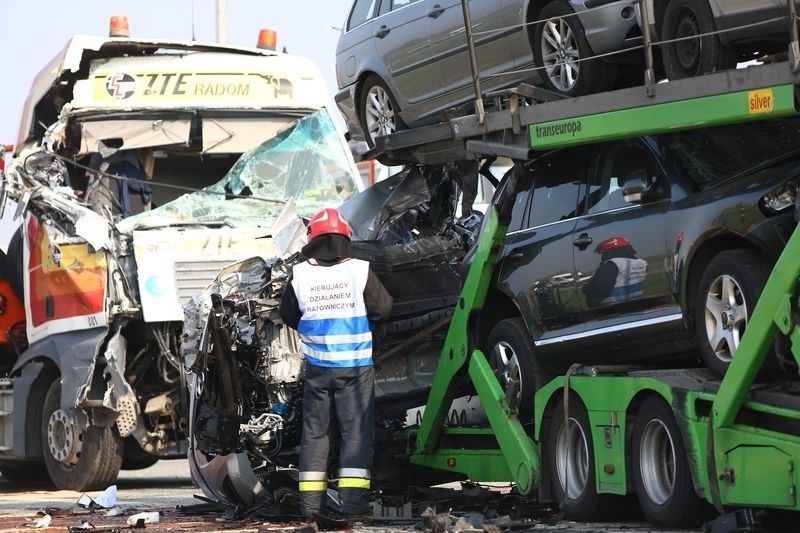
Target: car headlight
x=781 y=198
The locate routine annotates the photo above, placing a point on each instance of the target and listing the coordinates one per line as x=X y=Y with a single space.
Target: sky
x=33 y=31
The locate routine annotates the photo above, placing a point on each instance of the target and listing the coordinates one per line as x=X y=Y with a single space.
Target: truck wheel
x=660 y=467
x=570 y=456
x=378 y=110
x=691 y=57
x=725 y=298
x=78 y=456
x=560 y=46
x=510 y=354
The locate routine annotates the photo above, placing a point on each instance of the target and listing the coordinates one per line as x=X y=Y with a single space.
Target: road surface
x=166 y=485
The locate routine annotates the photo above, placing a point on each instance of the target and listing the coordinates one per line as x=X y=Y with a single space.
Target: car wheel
x=689 y=57
x=561 y=48
x=66 y=435
x=510 y=354
x=725 y=298
x=570 y=457
x=661 y=475
x=378 y=110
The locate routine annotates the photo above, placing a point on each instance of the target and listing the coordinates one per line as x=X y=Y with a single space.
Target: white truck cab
x=130 y=201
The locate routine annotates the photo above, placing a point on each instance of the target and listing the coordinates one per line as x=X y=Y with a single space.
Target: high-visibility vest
x=630 y=275
x=334 y=329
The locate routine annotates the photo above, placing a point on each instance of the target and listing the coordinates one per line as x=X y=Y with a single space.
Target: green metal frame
x=517 y=458
x=769 y=102
x=720 y=449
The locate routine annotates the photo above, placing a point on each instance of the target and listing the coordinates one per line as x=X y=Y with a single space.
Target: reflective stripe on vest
x=334 y=328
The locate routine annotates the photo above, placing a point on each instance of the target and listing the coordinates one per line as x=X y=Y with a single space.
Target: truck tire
x=570 y=456
x=95 y=469
x=692 y=57
x=557 y=43
x=660 y=468
x=509 y=350
x=377 y=110
x=725 y=297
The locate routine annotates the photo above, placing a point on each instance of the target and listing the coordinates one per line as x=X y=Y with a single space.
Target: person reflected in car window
x=620 y=274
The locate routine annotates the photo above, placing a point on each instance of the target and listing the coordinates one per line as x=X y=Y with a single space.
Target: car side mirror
x=633 y=190
x=638 y=188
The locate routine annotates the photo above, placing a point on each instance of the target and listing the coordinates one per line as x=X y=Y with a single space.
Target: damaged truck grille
x=191 y=277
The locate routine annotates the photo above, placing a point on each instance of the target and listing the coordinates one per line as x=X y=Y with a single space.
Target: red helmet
x=610 y=244
x=329 y=220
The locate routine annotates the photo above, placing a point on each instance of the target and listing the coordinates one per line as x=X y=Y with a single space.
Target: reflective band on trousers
x=313 y=486
x=313 y=481
x=354 y=472
x=353 y=483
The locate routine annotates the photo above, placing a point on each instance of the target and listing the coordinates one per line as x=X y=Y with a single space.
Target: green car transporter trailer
x=681 y=439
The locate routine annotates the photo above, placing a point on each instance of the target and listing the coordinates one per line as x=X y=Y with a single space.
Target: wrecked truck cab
x=245 y=366
x=109 y=256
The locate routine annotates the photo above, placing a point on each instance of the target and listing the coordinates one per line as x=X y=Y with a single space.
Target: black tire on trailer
x=725 y=298
x=26 y=473
x=660 y=468
x=692 y=57
x=377 y=110
x=561 y=48
x=509 y=350
x=95 y=465
x=570 y=456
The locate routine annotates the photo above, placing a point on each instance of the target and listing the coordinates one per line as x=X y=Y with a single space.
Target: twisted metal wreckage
x=220 y=378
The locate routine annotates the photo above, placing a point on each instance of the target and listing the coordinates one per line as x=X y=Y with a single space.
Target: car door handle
x=515 y=256
x=582 y=241
x=382 y=32
x=436 y=11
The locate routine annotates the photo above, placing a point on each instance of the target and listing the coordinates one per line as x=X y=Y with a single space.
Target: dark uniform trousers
x=346 y=395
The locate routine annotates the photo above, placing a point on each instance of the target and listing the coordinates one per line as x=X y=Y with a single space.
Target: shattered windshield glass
x=307 y=161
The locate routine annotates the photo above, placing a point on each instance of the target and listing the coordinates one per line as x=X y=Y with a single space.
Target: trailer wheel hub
x=65 y=435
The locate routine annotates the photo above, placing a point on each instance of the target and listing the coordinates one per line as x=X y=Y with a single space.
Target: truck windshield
x=307 y=161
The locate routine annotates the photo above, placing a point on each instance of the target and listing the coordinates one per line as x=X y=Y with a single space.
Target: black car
x=641 y=251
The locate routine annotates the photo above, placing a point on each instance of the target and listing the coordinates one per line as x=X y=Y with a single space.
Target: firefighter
x=330 y=300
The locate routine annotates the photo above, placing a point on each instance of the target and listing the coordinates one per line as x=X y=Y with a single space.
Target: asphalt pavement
x=166 y=486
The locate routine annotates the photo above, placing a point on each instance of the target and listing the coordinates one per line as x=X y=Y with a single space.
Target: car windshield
x=711 y=155
x=306 y=162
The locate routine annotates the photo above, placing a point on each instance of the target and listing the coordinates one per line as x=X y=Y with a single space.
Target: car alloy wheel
x=509 y=350
x=725 y=296
x=378 y=110
x=560 y=54
x=726 y=316
x=380 y=113
x=561 y=50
